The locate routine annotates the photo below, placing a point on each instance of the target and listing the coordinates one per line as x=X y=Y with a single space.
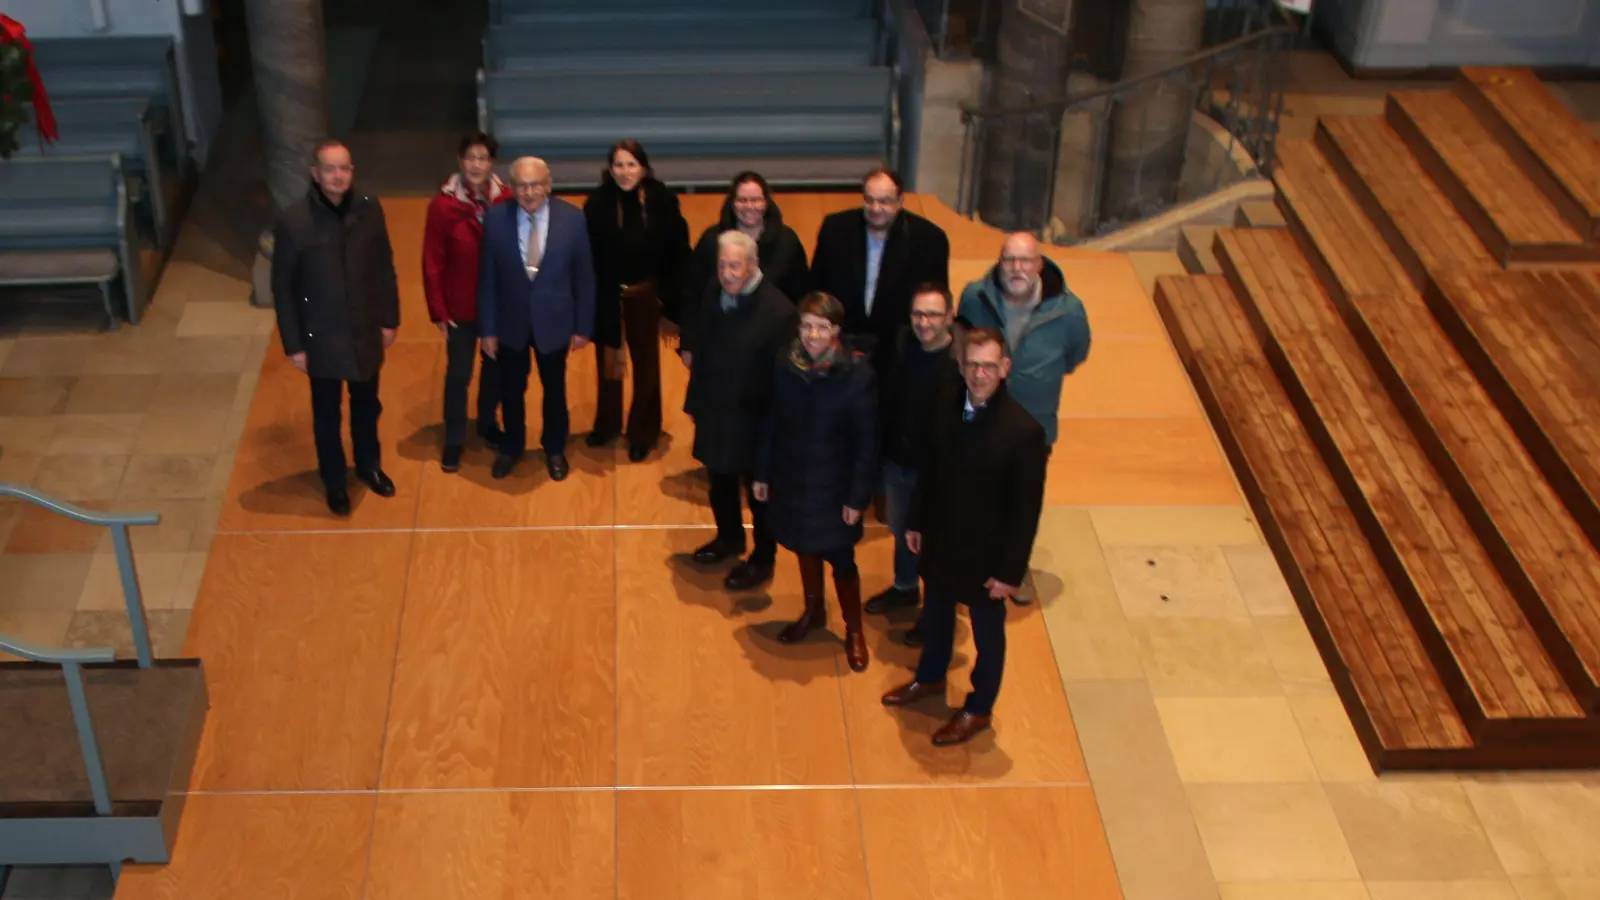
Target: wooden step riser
x=1363 y=194
x=1471 y=210
x=1524 y=423
x=1451 y=667
x=1513 y=141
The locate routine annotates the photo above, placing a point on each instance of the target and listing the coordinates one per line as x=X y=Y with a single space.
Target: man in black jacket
x=338 y=306
x=872 y=259
x=973 y=521
x=730 y=339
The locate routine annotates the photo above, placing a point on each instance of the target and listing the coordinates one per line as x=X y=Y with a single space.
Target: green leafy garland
x=15 y=91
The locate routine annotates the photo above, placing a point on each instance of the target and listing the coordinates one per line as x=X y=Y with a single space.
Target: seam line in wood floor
x=650 y=788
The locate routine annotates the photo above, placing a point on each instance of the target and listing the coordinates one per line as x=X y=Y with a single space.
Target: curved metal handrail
x=119 y=523
x=1282 y=30
x=59 y=657
x=78 y=513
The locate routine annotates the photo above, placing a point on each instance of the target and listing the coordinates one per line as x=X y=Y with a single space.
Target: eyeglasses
x=927 y=316
x=982 y=368
x=819 y=330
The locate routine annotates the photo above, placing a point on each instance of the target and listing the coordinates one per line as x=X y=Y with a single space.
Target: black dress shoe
x=638 y=452
x=747 y=575
x=557 y=464
x=715 y=552
x=377 y=481
x=890 y=599
x=451 y=460
x=503 y=464
x=339 y=501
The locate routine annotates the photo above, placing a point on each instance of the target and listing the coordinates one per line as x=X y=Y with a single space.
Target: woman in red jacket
x=450 y=246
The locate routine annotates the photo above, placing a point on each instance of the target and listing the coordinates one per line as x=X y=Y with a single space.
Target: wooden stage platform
x=1405 y=379
x=484 y=689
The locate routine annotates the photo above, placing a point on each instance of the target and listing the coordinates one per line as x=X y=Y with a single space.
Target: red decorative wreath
x=20 y=85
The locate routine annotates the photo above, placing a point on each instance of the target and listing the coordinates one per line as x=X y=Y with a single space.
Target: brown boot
x=816 y=614
x=855 y=643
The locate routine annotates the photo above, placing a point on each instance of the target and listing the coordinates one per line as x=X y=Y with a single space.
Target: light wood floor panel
x=506 y=667
x=471 y=498
x=986 y=842
x=493 y=845
x=1139 y=462
x=1129 y=377
x=739 y=845
x=262 y=847
x=274 y=486
x=1033 y=739
x=707 y=696
x=298 y=635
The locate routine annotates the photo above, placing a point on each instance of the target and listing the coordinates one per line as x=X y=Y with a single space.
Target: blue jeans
x=899 y=483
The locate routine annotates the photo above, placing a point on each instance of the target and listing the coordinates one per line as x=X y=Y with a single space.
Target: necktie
x=535 y=253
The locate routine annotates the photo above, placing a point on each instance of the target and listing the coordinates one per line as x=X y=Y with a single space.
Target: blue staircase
x=797 y=89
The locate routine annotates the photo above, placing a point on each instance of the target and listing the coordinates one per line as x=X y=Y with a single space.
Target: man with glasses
x=974 y=516
x=536 y=299
x=872 y=258
x=923 y=366
x=1046 y=328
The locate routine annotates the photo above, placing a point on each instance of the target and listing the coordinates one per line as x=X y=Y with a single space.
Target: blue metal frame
x=119 y=523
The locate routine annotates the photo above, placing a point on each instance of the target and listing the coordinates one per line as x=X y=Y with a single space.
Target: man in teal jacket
x=1025 y=297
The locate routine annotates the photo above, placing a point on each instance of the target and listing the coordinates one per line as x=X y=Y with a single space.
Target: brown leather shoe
x=911 y=693
x=855 y=642
x=816 y=614
x=963 y=727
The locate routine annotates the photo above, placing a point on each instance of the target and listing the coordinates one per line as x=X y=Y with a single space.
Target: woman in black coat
x=817 y=464
x=751 y=209
x=640 y=243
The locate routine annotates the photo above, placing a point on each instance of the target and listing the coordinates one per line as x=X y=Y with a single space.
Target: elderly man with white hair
x=731 y=334
x=535 y=304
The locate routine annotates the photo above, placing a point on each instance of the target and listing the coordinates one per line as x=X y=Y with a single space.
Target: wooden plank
x=1488 y=657
x=1396 y=700
x=1539 y=370
x=1416 y=219
x=1549 y=142
x=1508 y=210
x=1327 y=222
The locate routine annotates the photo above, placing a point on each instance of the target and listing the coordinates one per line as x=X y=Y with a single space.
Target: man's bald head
x=1020 y=265
x=530 y=181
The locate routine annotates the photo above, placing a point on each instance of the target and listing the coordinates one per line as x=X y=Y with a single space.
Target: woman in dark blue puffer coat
x=817 y=462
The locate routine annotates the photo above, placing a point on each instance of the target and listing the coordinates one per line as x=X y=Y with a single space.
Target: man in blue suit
x=535 y=305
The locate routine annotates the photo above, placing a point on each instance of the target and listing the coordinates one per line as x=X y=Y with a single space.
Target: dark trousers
x=730 y=522
x=514 y=368
x=641 y=329
x=938 y=627
x=326 y=415
x=461 y=348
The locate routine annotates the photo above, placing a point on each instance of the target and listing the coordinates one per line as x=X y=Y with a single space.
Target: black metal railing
x=1099 y=160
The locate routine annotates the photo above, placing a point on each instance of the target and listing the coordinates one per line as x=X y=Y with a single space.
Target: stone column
x=1150 y=132
x=1019 y=153
x=289 y=66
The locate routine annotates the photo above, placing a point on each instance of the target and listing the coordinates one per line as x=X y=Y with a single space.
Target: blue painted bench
x=65 y=220
x=110 y=67
x=691 y=45
x=509 y=96
x=121 y=125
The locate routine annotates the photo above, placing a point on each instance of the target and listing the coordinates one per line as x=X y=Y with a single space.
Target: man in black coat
x=873 y=258
x=338 y=306
x=973 y=521
x=731 y=337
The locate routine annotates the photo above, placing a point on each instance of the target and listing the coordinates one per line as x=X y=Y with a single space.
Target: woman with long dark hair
x=816 y=467
x=640 y=244
x=751 y=209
